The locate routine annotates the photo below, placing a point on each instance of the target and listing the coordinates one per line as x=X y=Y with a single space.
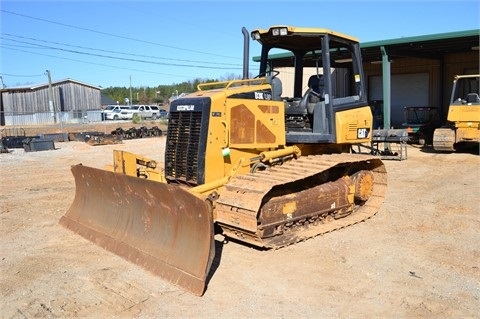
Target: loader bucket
x=161 y=227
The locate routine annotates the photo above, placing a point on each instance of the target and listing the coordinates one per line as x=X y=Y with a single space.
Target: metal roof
x=433 y=46
x=41 y=85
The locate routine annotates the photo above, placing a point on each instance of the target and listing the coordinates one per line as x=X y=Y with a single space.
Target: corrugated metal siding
x=457 y=64
x=438 y=70
x=45 y=118
x=68 y=96
x=73 y=96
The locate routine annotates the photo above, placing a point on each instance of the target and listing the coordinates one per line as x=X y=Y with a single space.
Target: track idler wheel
x=363 y=181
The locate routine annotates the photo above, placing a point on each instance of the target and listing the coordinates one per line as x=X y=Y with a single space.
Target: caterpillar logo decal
x=363 y=132
x=190 y=107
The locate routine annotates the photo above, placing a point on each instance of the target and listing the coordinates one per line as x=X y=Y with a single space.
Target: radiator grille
x=182 y=148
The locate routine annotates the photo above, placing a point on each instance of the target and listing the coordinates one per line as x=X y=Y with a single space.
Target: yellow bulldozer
x=266 y=160
x=463 y=118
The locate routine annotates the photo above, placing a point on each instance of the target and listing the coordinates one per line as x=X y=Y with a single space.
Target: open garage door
x=406 y=90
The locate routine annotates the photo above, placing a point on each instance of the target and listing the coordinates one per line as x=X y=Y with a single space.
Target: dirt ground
x=419 y=257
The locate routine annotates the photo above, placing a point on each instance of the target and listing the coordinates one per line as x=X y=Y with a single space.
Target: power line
x=92 y=63
x=100 y=64
x=120 y=58
x=29 y=46
x=23 y=76
x=114 y=35
x=110 y=51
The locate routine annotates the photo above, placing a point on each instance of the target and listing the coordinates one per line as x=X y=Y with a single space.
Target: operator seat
x=313 y=102
x=473 y=98
x=314 y=94
x=315 y=82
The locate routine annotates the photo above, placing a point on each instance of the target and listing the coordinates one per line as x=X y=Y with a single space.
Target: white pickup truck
x=145 y=111
x=112 y=112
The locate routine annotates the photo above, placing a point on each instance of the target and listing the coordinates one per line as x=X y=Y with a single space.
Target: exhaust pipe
x=246 y=52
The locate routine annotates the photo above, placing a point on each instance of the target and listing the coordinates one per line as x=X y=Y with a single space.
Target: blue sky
x=151 y=43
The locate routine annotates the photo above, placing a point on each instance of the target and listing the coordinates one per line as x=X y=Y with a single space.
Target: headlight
x=279 y=31
x=256 y=35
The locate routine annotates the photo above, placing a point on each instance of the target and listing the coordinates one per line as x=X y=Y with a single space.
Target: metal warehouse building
x=418 y=71
x=61 y=101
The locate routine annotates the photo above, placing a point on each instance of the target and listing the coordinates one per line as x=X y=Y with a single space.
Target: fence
x=47 y=118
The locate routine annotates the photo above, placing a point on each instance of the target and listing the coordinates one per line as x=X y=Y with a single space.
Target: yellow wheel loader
x=463 y=117
x=265 y=160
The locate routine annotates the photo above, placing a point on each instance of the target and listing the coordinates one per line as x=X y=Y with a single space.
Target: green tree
x=149 y=95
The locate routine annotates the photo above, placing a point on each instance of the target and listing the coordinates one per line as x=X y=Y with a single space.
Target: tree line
x=158 y=95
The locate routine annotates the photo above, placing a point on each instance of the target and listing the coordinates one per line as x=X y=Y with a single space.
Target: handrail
x=228 y=84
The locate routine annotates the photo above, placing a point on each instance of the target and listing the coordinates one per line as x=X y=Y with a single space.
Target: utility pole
x=130 y=90
x=51 y=103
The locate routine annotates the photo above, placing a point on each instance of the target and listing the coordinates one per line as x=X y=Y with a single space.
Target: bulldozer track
x=244 y=196
x=444 y=140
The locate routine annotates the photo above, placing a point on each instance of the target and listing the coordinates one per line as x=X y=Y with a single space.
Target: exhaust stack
x=246 y=52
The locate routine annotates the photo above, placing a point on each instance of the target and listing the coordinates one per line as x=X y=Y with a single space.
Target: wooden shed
x=64 y=98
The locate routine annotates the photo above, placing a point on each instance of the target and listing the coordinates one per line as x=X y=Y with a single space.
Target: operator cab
x=321 y=74
x=466 y=91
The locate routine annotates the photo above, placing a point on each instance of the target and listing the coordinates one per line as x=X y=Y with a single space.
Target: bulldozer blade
x=163 y=228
